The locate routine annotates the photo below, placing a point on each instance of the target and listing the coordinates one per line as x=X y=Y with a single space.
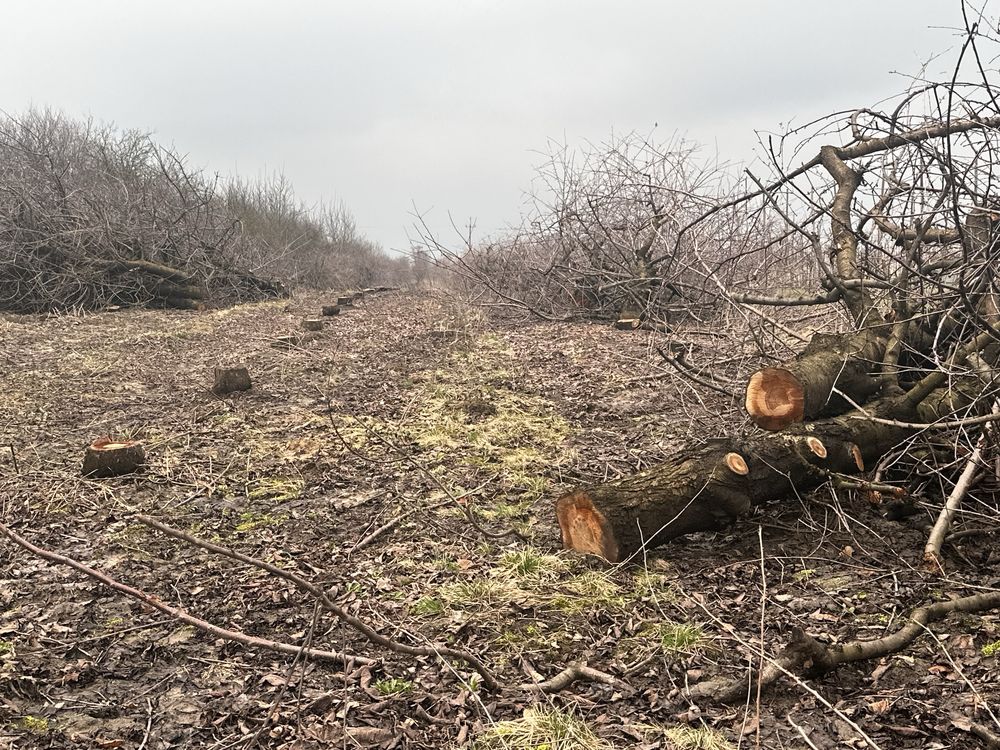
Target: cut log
x=627 y=324
x=344 y=301
x=312 y=324
x=703 y=489
x=695 y=492
x=168 y=290
x=803 y=389
x=231 y=379
x=330 y=310
x=110 y=458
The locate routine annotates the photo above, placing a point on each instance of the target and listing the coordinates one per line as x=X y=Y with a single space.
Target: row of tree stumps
x=108 y=457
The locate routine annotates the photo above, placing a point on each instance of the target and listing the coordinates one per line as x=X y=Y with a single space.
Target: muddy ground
x=410 y=404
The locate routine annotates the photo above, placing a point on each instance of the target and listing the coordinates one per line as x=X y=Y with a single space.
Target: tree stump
x=331 y=310
x=343 y=301
x=110 y=458
x=312 y=324
x=231 y=379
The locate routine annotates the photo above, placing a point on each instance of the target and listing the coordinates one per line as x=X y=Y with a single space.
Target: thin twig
x=362 y=627
x=180 y=614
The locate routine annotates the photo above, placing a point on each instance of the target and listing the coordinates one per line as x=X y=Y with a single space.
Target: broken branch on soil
x=806 y=655
x=573 y=673
x=182 y=615
x=308 y=587
x=393 y=523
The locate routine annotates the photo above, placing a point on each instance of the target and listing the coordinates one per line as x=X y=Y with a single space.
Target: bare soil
x=377 y=416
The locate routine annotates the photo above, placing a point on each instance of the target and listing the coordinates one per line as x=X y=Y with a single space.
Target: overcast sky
x=445 y=103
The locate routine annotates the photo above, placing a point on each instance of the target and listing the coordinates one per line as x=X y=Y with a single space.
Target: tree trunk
x=803 y=389
x=707 y=487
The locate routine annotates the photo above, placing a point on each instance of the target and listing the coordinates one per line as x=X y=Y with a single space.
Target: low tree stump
x=342 y=301
x=110 y=458
x=312 y=324
x=331 y=310
x=231 y=379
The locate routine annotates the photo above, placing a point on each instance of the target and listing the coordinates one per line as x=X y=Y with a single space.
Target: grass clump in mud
x=275 y=489
x=697 y=738
x=541 y=729
x=516 y=435
x=37 y=725
x=393 y=686
x=250 y=521
x=529 y=577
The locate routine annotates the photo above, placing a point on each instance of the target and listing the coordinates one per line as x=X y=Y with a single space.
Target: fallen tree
x=920 y=290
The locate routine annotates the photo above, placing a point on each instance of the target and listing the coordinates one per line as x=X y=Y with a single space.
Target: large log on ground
x=706 y=488
x=803 y=388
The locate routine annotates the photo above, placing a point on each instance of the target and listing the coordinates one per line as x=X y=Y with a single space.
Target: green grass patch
x=589 y=589
x=530 y=564
x=991 y=649
x=427 y=606
x=250 y=521
x=35 y=724
x=541 y=729
x=697 y=738
x=275 y=489
x=680 y=637
x=393 y=686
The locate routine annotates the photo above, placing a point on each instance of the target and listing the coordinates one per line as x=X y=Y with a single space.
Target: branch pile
x=922 y=349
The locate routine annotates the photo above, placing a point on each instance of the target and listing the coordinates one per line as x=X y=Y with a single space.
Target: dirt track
x=348 y=431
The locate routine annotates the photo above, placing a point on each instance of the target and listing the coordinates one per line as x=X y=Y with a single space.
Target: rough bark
x=804 y=388
x=231 y=379
x=109 y=458
x=705 y=488
x=698 y=491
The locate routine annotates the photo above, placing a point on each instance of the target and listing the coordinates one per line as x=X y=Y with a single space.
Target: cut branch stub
x=343 y=301
x=774 y=398
x=231 y=379
x=312 y=324
x=737 y=464
x=330 y=310
x=110 y=458
x=816 y=446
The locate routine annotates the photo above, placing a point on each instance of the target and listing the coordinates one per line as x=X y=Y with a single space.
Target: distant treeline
x=93 y=215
